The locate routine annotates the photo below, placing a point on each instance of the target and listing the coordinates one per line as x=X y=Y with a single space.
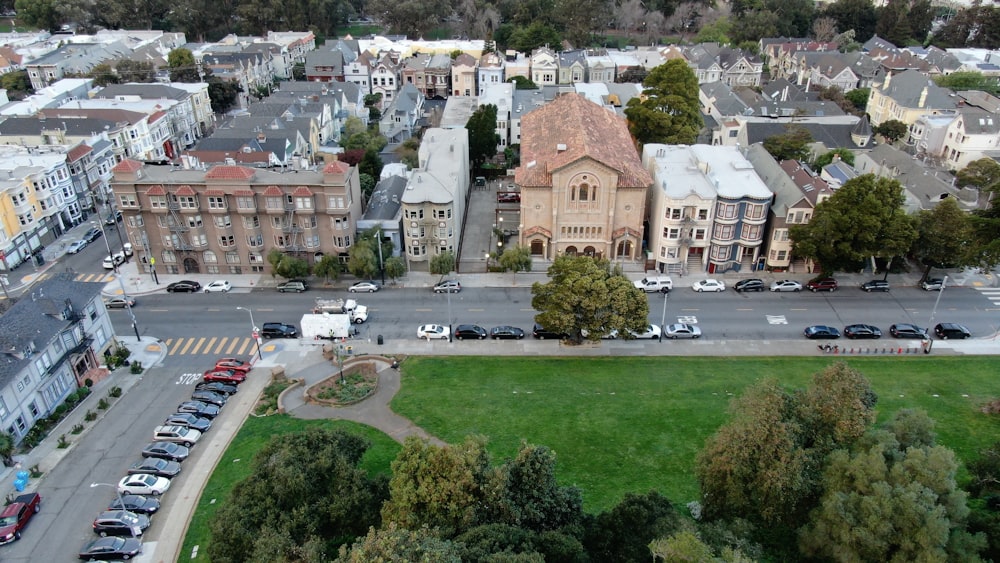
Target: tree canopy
x=483 y=136
x=893 y=130
x=793 y=144
x=182 y=65
x=944 y=236
x=668 y=110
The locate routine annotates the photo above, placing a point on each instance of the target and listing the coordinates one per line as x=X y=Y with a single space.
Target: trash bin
x=379 y=340
x=39 y=259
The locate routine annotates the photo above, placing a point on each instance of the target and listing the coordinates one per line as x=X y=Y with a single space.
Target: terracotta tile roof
x=127 y=165
x=243 y=193
x=156 y=190
x=302 y=191
x=336 y=167
x=214 y=192
x=586 y=130
x=230 y=173
x=185 y=190
x=537 y=230
x=78 y=152
x=273 y=191
x=157 y=115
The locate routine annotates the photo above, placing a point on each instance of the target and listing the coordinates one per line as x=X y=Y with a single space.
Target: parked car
x=509 y=197
x=823 y=284
x=143 y=484
x=227 y=376
x=198 y=408
x=432 y=331
x=119 y=302
x=474 y=332
x=905 y=330
x=92 y=234
x=682 y=330
x=709 y=285
x=233 y=364
x=135 y=503
x=113 y=261
x=218 y=286
x=113 y=218
x=786 y=285
x=209 y=397
x=166 y=450
x=652 y=332
x=506 y=332
x=216 y=387
x=862 y=331
x=156 y=466
x=875 y=285
x=127 y=248
x=77 y=246
x=177 y=434
x=932 y=284
x=752 y=284
x=295 y=286
x=543 y=333
x=200 y=424
x=651 y=284
x=111 y=548
x=120 y=523
x=449 y=286
x=821 y=332
x=184 y=286
x=279 y=330
x=365 y=286
x=17 y=514
x=945 y=331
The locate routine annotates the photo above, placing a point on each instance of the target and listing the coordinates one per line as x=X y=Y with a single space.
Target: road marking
x=265 y=309
x=187 y=378
x=213 y=310
x=798 y=309
x=190 y=341
x=244 y=347
x=738 y=309
x=232 y=346
x=222 y=344
x=776 y=319
x=527 y=310
x=198 y=346
x=690 y=309
x=423 y=310
x=208 y=347
x=176 y=345
x=159 y=310
x=475 y=310
x=691 y=320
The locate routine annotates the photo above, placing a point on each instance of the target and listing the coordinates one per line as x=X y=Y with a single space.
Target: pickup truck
x=15 y=516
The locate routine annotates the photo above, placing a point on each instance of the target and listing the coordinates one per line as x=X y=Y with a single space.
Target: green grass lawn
x=235 y=466
x=635 y=424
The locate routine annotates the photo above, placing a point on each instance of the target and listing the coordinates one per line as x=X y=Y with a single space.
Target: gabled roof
x=907 y=87
x=127 y=165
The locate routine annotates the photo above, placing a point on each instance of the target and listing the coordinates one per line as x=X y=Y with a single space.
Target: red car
x=233 y=364
x=226 y=376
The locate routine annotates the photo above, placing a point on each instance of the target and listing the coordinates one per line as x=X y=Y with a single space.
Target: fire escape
x=178 y=227
x=291 y=229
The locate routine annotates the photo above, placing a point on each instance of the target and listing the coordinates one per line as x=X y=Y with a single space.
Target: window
x=273 y=202
x=720 y=252
x=674 y=213
x=699 y=234
x=127 y=200
x=232 y=257
x=750 y=232
x=782 y=254
x=251 y=222
x=256 y=258
x=216 y=202
x=158 y=201
x=223 y=221
x=169 y=257
x=303 y=203
x=187 y=201
x=245 y=202
x=3 y=409
x=135 y=221
x=755 y=211
x=308 y=222
x=781 y=235
x=194 y=221
x=723 y=232
x=255 y=240
x=227 y=241
x=672 y=233
x=209 y=257
x=726 y=211
x=33 y=409
x=335 y=202
x=702 y=214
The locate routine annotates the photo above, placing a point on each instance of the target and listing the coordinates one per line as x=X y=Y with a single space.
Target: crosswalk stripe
x=243 y=348
x=198 y=346
x=190 y=341
x=194 y=352
x=176 y=345
x=232 y=347
x=222 y=344
x=208 y=347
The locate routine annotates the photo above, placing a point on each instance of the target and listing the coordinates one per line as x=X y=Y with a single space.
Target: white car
x=682 y=330
x=143 y=484
x=218 y=286
x=369 y=286
x=652 y=332
x=786 y=285
x=76 y=246
x=113 y=261
x=709 y=285
x=432 y=331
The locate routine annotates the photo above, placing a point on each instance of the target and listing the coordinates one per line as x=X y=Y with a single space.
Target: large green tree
x=17 y=84
x=43 y=14
x=893 y=497
x=944 y=236
x=362 y=259
x=983 y=174
x=858 y=15
x=862 y=219
x=396 y=543
x=893 y=130
x=182 y=66
x=586 y=294
x=968 y=80
x=328 y=267
x=793 y=144
x=483 y=136
x=516 y=258
x=668 y=110
x=623 y=533
x=442 y=263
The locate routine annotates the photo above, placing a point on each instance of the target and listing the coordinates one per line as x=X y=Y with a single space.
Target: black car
x=474 y=332
x=216 y=387
x=92 y=234
x=862 y=331
x=156 y=466
x=114 y=218
x=279 y=330
x=905 y=330
x=120 y=523
x=184 y=286
x=166 y=450
x=209 y=397
x=752 y=284
x=821 y=331
x=135 y=503
x=542 y=333
x=111 y=548
x=506 y=332
x=875 y=285
x=189 y=420
x=198 y=408
x=944 y=331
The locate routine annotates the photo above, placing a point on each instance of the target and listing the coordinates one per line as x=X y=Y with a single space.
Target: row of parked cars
x=944 y=331
x=506 y=332
x=128 y=515
x=664 y=284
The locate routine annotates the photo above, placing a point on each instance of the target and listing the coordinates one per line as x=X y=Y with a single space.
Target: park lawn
x=637 y=423
x=236 y=462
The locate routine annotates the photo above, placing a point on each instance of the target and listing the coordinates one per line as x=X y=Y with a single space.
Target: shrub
x=71 y=400
x=77 y=428
x=35 y=472
x=63 y=443
x=91 y=415
x=60 y=411
x=88 y=382
x=103 y=404
x=82 y=393
x=115 y=392
x=136 y=367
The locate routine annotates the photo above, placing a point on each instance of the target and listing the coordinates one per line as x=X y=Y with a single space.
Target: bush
x=136 y=367
x=103 y=404
x=115 y=392
x=88 y=382
x=82 y=393
x=91 y=415
x=63 y=443
x=77 y=428
x=59 y=411
x=35 y=472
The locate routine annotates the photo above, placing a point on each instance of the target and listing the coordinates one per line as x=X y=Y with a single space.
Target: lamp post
x=381 y=265
x=121 y=501
x=256 y=333
x=121 y=282
x=486 y=257
x=448 y=291
x=663 y=316
x=930 y=321
x=3 y=284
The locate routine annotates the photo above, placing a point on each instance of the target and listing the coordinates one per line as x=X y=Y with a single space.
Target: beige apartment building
x=225 y=219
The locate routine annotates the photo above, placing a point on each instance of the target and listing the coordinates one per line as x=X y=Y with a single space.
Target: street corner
x=154 y=348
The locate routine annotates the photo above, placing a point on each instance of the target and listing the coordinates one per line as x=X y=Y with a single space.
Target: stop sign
x=255 y=335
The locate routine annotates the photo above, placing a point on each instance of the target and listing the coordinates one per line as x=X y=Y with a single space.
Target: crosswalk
x=210 y=346
x=104 y=277
x=991 y=293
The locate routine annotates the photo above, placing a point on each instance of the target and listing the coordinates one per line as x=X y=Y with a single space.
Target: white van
x=650 y=284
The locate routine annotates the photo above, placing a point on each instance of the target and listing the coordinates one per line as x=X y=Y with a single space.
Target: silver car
x=682 y=330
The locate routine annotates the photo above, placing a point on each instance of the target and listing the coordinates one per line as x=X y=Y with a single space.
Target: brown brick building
x=225 y=219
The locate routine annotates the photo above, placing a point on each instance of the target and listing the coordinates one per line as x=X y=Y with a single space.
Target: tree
x=944 y=236
x=135 y=71
x=368 y=184
x=6 y=449
x=793 y=144
x=483 y=136
x=624 y=532
x=860 y=220
x=328 y=267
x=371 y=163
x=103 y=75
x=523 y=492
x=892 y=498
x=537 y=34
x=42 y=14
x=223 y=94
x=844 y=154
x=362 y=259
x=983 y=174
x=414 y=18
x=17 y=84
x=966 y=80
x=304 y=489
x=442 y=263
x=585 y=294
x=522 y=83
x=824 y=28
x=716 y=32
x=859 y=97
x=299 y=72
x=686 y=547
x=396 y=543
x=182 y=65
x=516 y=259
x=395 y=268
x=668 y=110
x=893 y=130
x=858 y=15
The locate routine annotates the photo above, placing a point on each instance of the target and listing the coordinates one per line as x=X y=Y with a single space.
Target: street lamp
x=486 y=257
x=448 y=291
x=930 y=322
x=256 y=333
x=663 y=317
x=121 y=282
x=121 y=501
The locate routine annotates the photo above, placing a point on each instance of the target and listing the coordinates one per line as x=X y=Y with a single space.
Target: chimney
x=923 y=98
x=888 y=76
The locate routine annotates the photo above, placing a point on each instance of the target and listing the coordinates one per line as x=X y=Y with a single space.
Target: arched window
x=209 y=257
